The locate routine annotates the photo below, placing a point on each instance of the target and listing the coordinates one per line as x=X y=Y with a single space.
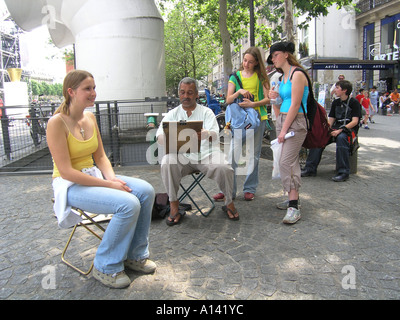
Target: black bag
x=352 y=138
x=161 y=206
x=354 y=145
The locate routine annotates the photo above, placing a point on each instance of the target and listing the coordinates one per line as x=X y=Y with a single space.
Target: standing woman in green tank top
x=71 y=137
x=254 y=79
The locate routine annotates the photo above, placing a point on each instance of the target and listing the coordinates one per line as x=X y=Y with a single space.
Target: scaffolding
x=10 y=50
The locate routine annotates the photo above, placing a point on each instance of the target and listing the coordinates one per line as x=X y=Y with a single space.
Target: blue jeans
x=342 y=156
x=251 y=181
x=127 y=234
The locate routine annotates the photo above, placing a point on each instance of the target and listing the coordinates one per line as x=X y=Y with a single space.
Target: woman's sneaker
x=292 y=215
x=145 y=265
x=117 y=280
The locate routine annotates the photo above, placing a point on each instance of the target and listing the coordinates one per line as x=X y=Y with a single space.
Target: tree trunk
x=289 y=20
x=252 y=37
x=226 y=43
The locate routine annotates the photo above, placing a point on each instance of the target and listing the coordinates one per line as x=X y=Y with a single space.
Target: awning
x=325 y=64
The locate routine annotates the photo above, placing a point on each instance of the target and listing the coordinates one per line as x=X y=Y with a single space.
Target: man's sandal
x=173 y=222
x=232 y=212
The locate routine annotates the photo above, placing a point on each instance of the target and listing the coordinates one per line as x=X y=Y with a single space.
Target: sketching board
x=177 y=136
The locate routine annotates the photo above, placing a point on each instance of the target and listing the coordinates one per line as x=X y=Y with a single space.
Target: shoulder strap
x=310 y=92
x=347 y=109
x=308 y=80
x=64 y=122
x=235 y=74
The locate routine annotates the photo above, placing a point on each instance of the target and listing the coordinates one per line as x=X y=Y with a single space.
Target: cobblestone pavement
x=346 y=246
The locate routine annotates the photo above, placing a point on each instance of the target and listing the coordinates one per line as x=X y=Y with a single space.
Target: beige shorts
x=289 y=164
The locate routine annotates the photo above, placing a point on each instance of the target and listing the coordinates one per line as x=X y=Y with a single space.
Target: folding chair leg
x=84 y=214
x=186 y=193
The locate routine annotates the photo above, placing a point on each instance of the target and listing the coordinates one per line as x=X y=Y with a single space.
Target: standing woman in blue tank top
x=290 y=118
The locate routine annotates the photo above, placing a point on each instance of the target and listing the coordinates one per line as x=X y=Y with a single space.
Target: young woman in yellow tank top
x=75 y=144
x=255 y=95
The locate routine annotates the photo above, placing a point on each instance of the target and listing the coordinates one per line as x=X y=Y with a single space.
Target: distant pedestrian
x=374 y=97
x=360 y=94
x=384 y=100
x=395 y=99
x=366 y=103
x=333 y=88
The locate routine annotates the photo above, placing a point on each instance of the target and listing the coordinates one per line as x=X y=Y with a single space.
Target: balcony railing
x=367 y=5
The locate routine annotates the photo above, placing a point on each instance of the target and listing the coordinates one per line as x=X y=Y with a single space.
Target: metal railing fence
x=122 y=124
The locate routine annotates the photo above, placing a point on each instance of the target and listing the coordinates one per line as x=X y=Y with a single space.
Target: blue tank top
x=285 y=91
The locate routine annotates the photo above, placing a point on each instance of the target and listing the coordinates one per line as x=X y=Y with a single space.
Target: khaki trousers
x=174 y=167
x=289 y=164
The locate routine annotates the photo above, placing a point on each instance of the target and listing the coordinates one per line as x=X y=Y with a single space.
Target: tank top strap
x=94 y=123
x=65 y=123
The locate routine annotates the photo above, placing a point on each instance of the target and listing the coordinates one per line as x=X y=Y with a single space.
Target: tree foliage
x=43 y=88
x=200 y=19
x=315 y=8
x=189 y=48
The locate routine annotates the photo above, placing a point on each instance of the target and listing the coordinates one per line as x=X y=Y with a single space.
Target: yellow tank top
x=250 y=84
x=80 y=152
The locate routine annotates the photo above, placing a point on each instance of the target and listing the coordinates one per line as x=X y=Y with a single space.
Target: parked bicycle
x=37 y=123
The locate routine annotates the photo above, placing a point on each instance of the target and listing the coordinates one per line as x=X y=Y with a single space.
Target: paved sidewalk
x=346 y=246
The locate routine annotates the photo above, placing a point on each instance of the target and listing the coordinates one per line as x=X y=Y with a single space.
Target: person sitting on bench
x=344 y=118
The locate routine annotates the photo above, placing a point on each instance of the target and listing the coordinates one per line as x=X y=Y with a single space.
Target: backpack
x=238 y=118
x=161 y=206
x=318 y=128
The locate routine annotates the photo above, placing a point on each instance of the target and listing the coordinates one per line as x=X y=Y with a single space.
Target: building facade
x=362 y=44
x=10 y=50
x=378 y=23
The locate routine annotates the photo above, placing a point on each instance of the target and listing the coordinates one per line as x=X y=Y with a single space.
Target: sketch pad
x=178 y=136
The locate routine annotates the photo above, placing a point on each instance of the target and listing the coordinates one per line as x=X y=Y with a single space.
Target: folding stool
x=197 y=177
x=88 y=218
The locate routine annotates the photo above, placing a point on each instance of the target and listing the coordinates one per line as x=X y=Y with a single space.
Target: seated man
x=395 y=99
x=344 y=118
x=210 y=160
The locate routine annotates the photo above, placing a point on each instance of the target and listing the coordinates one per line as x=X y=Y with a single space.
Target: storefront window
x=390 y=36
x=369 y=41
x=390 y=42
x=367 y=75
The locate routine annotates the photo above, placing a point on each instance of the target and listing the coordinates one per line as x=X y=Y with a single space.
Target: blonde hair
x=260 y=67
x=72 y=80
